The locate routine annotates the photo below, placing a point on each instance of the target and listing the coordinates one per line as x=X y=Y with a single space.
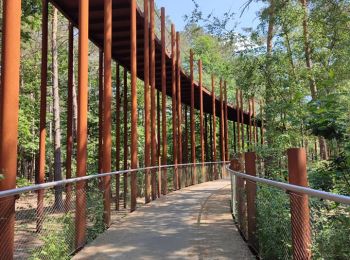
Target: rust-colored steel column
x=262 y=123
x=133 y=66
x=201 y=113
x=250 y=169
x=226 y=126
x=126 y=136
x=222 y=126
x=43 y=100
x=214 y=123
x=255 y=134
x=69 y=150
x=147 y=103
x=238 y=122
x=10 y=65
x=154 y=153
x=107 y=111
x=299 y=205
x=100 y=111
x=117 y=136
x=185 y=158
x=250 y=123
x=83 y=61
x=179 y=106
x=164 y=106
x=242 y=118
x=173 y=92
x=193 y=134
x=234 y=137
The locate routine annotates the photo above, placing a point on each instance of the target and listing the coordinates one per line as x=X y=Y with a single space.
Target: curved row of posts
x=9 y=107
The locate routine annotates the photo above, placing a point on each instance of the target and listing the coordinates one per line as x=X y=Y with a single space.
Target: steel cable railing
x=47 y=226
x=289 y=221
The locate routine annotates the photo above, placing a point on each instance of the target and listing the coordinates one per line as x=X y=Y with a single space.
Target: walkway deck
x=194 y=223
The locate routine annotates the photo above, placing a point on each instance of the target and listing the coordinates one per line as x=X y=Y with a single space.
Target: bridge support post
x=237 y=164
x=80 y=213
x=117 y=137
x=214 y=124
x=133 y=66
x=201 y=117
x=9 y=103
x=126 y=136
x=299 y=205
x=222 y=123
x=164 y=105
x=250 y=169
x=179 y=107
x=227 y=156
x=193 y=134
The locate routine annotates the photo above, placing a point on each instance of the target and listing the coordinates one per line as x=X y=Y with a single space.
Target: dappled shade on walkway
x=194 y=223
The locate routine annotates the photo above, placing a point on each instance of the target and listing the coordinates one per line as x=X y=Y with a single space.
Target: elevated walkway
x=194 y=223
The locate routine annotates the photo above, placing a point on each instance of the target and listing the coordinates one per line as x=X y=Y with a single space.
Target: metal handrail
x=48 y=185
x=294 y=188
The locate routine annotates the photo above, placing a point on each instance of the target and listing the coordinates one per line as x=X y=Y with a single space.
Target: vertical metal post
x=299 y=205
x=185 y=159
x=80 y=213
x=250 y=123
x=173 y=92
x=214 y=122
x=154 y=155
x=250 y=169
x=225 y=123
x=133 y=66
x=255 y=133
x=193 y=134
x=234 y=137
x=179 y=107
x=126 y=135
x=100 y=110
x=222 y=126
x=238 y=122
x=117 y=137
x=242 y=119
x=43 y=98
x=201 y=113
x=164 y=106
x=69 y=115
x=107 y=113
x=262 y=123
x=10 y=65
x=147 y=103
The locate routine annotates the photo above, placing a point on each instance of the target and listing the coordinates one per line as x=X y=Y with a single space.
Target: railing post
x=237 y=164
x=250 y=169
x=299 y=205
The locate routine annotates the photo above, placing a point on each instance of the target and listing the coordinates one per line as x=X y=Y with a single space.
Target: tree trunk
x=312 y=82
x=56 y=115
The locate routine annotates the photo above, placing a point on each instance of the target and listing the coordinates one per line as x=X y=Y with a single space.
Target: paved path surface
x=194 y=223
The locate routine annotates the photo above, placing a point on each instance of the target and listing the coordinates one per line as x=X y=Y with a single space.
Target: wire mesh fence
x=289 y=224
x=55 y=222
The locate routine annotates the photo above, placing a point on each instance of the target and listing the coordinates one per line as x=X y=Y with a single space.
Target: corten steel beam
x=238 y=122
x=179 y=107
x=262 y=123
x=250 y=169
x=159 y=159
x=117 y=136
x=214 y=116
x=126 y=136
x=250 y=123
x=242 y=118
x=133 y=66
x=43 y=100
x=299 y=205
x=147 y=104
x=234 y=137
x=185 y=157
x=154 y=153
x=173 y=91
x=83 y=63
x=164 y=106
x=206 y=145
x=255 y=133
x=9 y=103
x=226 y=125
x=69 y=148
x=193 y=134
x=100 y=110
x=222 y=125
x=107 y=111
x=200 y=70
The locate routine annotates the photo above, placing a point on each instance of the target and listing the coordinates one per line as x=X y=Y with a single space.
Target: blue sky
x=176 y=9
